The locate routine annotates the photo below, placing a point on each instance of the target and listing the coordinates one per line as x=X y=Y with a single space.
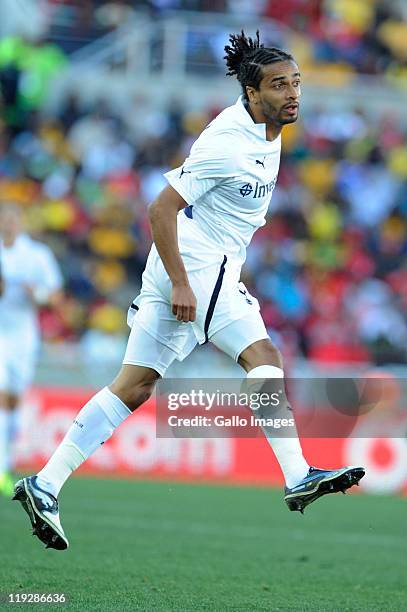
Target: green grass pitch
x=162 y=546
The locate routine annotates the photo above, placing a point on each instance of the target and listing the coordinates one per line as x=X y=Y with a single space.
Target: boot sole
x=333 y=484
x=42 y=528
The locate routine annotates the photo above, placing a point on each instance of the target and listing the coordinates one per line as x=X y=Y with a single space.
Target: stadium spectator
x=338 y=214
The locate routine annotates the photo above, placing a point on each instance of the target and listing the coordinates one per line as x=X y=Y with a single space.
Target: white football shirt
x=228 y=179
x=26 y=262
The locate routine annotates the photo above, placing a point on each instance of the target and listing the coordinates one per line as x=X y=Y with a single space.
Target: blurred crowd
x=328 y=266
x=349 y=36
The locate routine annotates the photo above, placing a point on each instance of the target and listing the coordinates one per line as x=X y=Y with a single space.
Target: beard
x=286 y=121
x=275 y=116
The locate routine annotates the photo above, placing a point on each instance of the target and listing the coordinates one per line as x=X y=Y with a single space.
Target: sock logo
x=78 y=424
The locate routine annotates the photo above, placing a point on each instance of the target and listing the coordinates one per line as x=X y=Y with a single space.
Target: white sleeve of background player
x=48 y=277
x=210 y=162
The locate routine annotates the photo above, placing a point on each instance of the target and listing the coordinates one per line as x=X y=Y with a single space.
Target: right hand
x=183 y=303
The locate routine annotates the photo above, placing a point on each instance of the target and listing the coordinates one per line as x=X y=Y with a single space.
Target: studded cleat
x=42 y=509
x=321 y=482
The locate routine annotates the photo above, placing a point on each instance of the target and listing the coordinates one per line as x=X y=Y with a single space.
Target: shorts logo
x=246 y=189
x=245 y=295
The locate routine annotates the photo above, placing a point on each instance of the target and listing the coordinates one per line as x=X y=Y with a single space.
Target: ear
x=252 y=94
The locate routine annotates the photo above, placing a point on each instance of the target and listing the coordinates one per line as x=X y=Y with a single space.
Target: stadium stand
x=327 y=265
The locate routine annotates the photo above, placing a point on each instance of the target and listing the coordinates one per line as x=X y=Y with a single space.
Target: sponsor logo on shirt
x=260 y=189
x=246 y=189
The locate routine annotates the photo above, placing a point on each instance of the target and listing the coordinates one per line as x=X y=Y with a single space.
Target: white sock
x=3 y=439
x=288 y=451
x=93 y=425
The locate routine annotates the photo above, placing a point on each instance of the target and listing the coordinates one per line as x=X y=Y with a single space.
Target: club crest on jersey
x=260 y=190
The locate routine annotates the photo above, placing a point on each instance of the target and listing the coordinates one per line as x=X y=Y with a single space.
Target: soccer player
x=29 y=277
x=202 y=223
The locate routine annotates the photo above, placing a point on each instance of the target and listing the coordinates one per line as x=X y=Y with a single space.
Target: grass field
x=160 y=546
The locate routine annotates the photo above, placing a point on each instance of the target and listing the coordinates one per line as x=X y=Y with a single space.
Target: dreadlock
x=245 y=57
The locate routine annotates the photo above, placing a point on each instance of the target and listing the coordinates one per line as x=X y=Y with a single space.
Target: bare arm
x=163 y=220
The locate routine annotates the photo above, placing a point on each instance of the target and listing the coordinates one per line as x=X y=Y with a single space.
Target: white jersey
x=26 y=263
x=228 y=180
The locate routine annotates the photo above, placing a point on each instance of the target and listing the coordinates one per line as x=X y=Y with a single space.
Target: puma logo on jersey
x=184 y=172
x=261 y=163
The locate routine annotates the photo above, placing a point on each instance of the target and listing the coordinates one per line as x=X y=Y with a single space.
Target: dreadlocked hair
x=245 y=57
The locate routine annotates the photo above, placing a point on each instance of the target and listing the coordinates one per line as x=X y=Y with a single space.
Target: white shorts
x=227 y=315
x=144 y=349
x=18 y=353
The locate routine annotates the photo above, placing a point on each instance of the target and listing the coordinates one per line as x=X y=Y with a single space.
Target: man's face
x=10 y=221
x=279 y=93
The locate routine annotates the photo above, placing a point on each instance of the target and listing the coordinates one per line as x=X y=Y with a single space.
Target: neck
x=272 y=130
x=8 y=240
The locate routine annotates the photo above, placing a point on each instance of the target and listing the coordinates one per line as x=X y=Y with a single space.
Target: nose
x=293 y=93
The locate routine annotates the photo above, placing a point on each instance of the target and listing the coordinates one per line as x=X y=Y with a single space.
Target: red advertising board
x=135 y=451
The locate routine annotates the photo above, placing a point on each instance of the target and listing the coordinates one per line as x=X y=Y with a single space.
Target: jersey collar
x=21 y=240
x=245 y=119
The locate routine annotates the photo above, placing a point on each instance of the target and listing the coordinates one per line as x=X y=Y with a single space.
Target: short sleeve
x=49 y=274
x=210 y=162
